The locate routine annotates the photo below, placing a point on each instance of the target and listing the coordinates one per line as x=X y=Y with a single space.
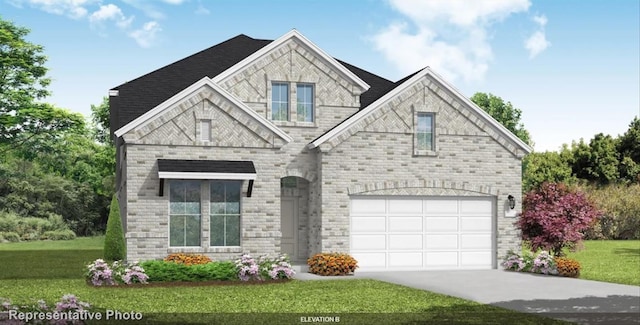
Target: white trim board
x=398 y=90
x=147 y=117
x=200 y=175
x=281 y=40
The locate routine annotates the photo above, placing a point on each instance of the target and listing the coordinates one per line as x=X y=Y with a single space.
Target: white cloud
x=110 y=12
x=202 y=10
x=147 y=35
x=449 y=36
x=541 y=20
x=74 y=9
x=174 y=2
x=147 y=7
x=537 y=42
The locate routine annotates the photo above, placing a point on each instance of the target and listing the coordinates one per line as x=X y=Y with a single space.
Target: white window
x=184 y=213
x=225 y=213
x=304 y=97
x=424 y=132
x=205 y=130
x=280 y=101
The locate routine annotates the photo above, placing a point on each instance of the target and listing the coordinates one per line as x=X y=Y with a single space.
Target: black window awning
x=206 y=169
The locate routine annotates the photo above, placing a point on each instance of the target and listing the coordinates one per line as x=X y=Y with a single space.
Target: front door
x=289 y=225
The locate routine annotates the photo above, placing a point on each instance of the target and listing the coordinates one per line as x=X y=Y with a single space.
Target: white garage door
x=422 y=233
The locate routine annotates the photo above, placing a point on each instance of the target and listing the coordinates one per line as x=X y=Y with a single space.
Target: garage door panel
x=368 y=224
x=474 y=207
x=440 y=207
x=397 y=242
x=475 y=259
x=475 y=224
x=368 y=207
x=405 y=224
x=373 y=260
x=440 y=242
x=405 y=207
x=475 y=241
x=391 y=233
x=368 y=242
x=441 y=224
x=409 y=259
x=441 y=259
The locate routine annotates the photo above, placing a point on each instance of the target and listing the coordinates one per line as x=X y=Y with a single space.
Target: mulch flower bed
x=194 y=284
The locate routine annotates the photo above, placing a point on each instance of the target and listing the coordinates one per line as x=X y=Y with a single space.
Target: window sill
x=425 y=153
x=295 y=124
x=211 y=249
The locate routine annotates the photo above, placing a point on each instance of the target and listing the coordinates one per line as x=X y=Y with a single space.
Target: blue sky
x=572 y=67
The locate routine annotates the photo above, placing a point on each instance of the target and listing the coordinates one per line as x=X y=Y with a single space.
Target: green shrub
x=114 y=244
x=332 y=264
x=9 y=236
x=162 y=271
x=8 y=221
x=58 y=235
x=29 y=235
x=31 y=228
x=621 y=207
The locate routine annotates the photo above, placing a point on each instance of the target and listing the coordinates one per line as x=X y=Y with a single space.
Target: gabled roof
x=206 y=81
x=293 y=34
x=401 y=86
x=138 y=96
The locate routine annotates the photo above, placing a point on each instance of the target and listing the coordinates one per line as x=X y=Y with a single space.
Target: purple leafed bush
x=555 y=217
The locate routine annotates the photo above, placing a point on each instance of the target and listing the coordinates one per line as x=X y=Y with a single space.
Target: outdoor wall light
x=512 y=201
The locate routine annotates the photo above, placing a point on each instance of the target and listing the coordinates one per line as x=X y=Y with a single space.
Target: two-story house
x=274 y=146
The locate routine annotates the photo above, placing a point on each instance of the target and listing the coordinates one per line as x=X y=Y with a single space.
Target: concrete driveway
x=582 y=301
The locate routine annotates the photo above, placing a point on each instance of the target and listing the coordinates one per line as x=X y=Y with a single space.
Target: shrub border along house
x=190 y=268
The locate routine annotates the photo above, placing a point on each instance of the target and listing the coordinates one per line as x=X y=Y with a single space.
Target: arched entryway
x=294 y=217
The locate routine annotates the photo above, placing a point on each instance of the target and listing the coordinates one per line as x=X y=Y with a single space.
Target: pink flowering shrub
x=248 y=268
x=554 y=217
x=543 y=263
x=100 y=273
x=264 y=267
x=277 y=268
x=68 y=304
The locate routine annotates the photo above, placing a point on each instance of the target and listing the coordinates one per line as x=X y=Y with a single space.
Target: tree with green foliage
x=628 y=148
x=596 y=161
x=23 y=82
x=101 y=121
x=504 y=113
x=114 y=243
x=540 y=167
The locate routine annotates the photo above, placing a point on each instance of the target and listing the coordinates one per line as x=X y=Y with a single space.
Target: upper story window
x=304 y=97
x=280 y=101
x=424 y=132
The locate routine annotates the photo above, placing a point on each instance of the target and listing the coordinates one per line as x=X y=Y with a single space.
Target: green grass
x=81 y=243
x=32 y=271
x=616 y=261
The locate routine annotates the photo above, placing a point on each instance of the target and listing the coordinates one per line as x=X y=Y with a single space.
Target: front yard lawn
x=616 y=261
x=27 y=275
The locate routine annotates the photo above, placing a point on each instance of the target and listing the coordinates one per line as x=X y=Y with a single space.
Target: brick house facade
x=273 y=147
